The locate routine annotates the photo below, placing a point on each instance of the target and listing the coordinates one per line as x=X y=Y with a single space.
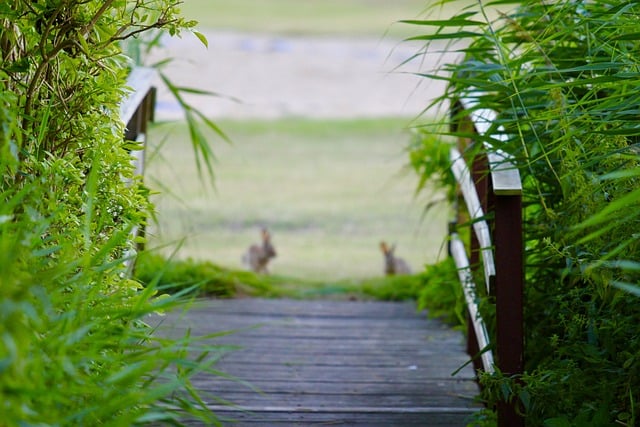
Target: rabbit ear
x=384 y=247
x=265 y=234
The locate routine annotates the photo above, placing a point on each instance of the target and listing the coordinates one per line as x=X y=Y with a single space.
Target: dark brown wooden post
x=509 y=297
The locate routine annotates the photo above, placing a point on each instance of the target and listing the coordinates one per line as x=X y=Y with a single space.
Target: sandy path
x=275 y=76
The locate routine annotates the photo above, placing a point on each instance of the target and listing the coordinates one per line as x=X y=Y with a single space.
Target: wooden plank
x=459 y=394
x=327 y=335
x=318 y=355
x=288 y=370
x=318 y=324
x=301 y=309
x=358 y=417
x=319 y=399
x=332 y=362
x=433 y=387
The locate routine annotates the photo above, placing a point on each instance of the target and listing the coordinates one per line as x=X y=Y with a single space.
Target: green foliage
x=207 y=279
x=430 y=158
x=564 y=80
x=203 y=278
x=391 y=288
x=75 y=349
x=176 y=275
x=441 y=293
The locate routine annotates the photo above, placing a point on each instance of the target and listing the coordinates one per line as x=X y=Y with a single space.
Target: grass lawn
x=335 y=17
x=329 y=191
x=351 y=18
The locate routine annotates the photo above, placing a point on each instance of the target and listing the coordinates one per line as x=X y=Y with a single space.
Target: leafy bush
x=441 y=293
x=564 y=81
x=75 y=349
x=176 y=276
x=207 y=279
x=390 y=288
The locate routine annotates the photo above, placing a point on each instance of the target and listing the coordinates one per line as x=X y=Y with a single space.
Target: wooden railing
x=490 y=188
x=136 y=112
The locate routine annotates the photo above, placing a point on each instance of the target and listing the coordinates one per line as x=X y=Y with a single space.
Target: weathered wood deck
x=334 y=363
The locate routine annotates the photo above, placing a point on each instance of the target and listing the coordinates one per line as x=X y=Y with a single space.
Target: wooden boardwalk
x=334 y=363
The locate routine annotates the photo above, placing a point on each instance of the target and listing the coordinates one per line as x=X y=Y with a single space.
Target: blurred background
x=317 y=100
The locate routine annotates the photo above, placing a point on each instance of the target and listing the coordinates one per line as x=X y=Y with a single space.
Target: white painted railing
x=491 y=187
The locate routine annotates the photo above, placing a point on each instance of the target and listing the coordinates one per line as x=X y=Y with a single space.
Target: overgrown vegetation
x=75 y=349
x=432 y=288
x=564 y=78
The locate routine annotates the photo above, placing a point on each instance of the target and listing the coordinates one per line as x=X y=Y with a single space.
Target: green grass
x=210 y=280
x=337 y=17
x=352 y=18
x=329 y=191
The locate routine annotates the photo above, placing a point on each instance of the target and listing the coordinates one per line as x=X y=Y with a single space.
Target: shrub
x=75 y=349
x=562 y=78
x=441 y=293
x=172 y=276
x=390 y=288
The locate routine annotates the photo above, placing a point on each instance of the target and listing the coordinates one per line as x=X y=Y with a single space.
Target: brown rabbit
x=257 y=257
x=392 y=264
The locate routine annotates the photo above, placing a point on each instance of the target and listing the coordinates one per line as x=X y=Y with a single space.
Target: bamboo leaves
x=565 y=78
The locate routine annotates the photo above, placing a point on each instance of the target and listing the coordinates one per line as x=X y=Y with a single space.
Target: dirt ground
x=267 y=76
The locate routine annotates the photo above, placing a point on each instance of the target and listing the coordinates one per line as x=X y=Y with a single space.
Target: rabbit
x=392 y=264
x=258 y=256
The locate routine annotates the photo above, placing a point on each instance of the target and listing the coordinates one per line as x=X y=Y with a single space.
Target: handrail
x=459 y=254
x=140 y=81
x=505 y=176
x=476 y=212
x=136 y=112
x=502 y=261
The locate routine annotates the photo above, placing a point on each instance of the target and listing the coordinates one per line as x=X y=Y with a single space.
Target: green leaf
x=202 y=38
x=631 y=288
x=557 y=422
x=128 y=372
x=627 y=265
x=625 y=173
x=444 y=36
x=456 y=21
x=603 y=216
x=627 y=36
